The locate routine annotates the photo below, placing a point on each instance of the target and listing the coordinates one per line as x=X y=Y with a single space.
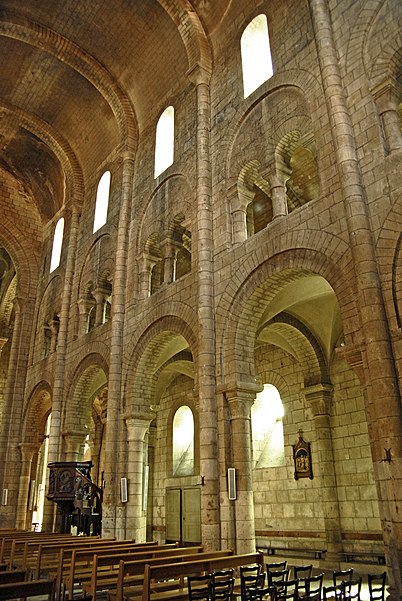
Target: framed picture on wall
x=302 y=459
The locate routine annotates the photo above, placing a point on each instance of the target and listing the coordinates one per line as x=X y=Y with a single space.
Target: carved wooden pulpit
x=78 y=499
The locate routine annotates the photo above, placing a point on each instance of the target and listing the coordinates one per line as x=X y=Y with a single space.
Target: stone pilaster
x=319 y=398
x=240 y=401
x=136 y=516
x=27 y=453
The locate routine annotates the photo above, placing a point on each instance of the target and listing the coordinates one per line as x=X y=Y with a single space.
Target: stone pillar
x=136 y=515
x=238 y=210
x=145 y=276
x=169 y=261
x=27 y=453
x=240 y=401
x=54 y=331
x=319 y=400
x=114 y=418
x=209 y=466
x=75 y=442
x=64 y=318
x=85 y=304
x=387 y=96
x=100 y=295
x=13 y=404
x=278 y=195
x=383 y=399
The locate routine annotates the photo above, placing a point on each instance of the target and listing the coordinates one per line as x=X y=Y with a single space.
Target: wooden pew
x=14 y=576
x=61 y=568
x=131 y=575
x=44 y=557
x=23 y=550
x=82 y=559
x=105 y=568
x=178 y=571
x=31 y=588
x=8 y=543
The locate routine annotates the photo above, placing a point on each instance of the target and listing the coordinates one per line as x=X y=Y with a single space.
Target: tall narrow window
x=183 y=442
x=255 y=54
x=164 y=144
x=102 y=201
x=267 y=428
x=57 y=244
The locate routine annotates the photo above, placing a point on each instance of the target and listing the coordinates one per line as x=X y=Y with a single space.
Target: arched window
x=164 y=144
x=267 y=428
x=183 y=442
x=102 y=201
x=255 y=54
x=57 y=244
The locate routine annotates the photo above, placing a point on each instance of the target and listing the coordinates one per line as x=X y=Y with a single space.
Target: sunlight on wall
x=183 y=442
x=267 y=428
x=255 y=54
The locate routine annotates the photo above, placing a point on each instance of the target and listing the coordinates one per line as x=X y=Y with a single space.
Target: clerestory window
x=57 y=244
x=255 y=54
x=102 y=201
x=164 y=143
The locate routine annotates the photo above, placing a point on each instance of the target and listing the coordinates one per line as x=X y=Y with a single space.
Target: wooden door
x=183 y=515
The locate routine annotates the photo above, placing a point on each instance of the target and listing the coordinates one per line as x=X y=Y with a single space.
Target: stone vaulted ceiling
x=80 y=78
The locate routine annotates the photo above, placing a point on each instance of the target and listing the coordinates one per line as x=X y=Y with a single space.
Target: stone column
x=387 y=95
x=240 y=401
x=383 y=399
x=319 y=400
x=136 y=515
x=100 y=294
x=145 y=276
x=54 y=330
x=238 y=210
x=278 y=195
x=209 y=467
x=169 y=260
x=64 y=319
x=85 y=304
x=27 y=453
x=75 y=442
x=13 y=405
x=114 y=418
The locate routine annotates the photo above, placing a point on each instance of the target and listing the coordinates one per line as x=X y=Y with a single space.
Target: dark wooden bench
x=31 y=588
x=302 y=552
x=178 y=571
x=105 y=568
x=12 y=547
x=82 y=560
x=14 y=576
x=62 y=564
x=130 y=577
x=371 y=557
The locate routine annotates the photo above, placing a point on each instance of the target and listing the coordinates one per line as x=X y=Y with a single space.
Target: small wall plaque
x=302 y=458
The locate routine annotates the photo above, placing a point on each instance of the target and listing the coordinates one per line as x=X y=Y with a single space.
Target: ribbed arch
x=192 y=33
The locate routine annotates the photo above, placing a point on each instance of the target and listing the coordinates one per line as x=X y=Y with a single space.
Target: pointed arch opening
x=164 y=143
x=57 y=244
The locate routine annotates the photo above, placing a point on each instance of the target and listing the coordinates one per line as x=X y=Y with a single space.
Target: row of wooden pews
x=62 y=566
